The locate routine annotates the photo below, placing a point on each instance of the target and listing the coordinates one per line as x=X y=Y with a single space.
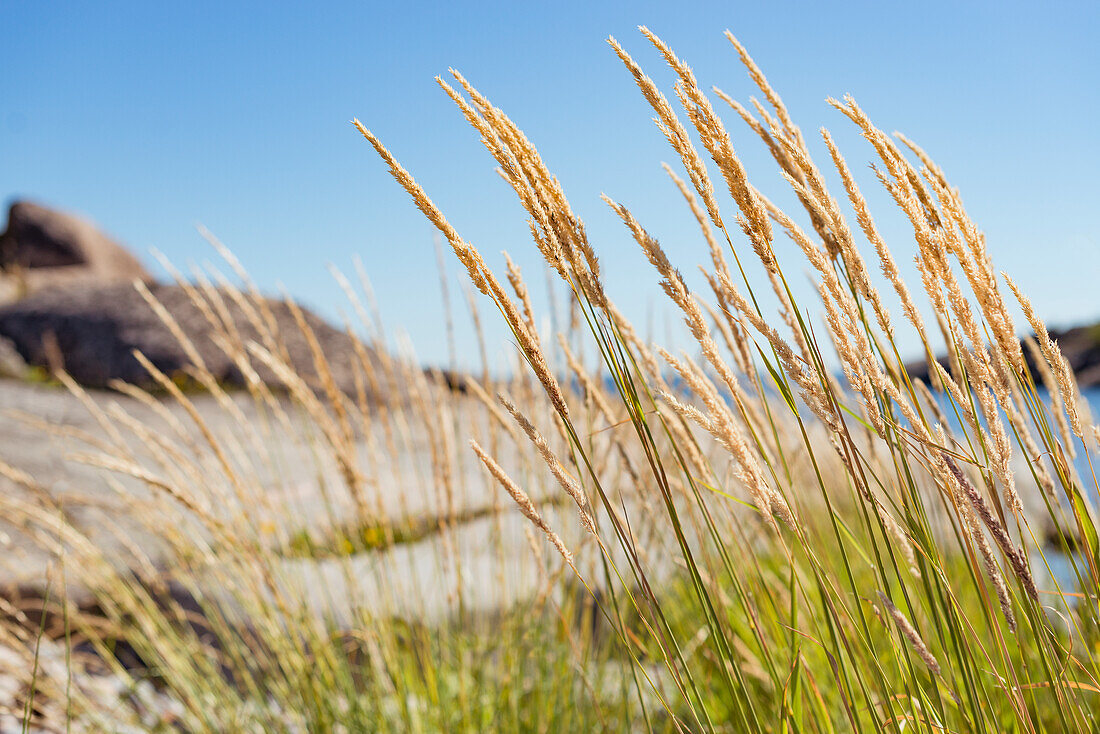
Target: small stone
x=11 y=361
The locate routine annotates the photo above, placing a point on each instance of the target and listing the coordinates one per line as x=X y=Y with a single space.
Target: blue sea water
x=1085 y=462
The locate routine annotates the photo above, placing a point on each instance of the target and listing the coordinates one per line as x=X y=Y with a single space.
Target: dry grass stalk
x=568 y=483
x=1057 y=363
x=526 y=506
x=720 y=423
x=905 y=627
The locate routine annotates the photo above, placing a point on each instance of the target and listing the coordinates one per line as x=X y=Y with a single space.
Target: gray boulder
x=44 y=248
x=93 y=330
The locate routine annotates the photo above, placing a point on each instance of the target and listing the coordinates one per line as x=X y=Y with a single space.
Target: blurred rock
x=93 y=329
x=10 y=288
x=110 y=701
x=11 y=362
x=43 y=248
x=1080 y=346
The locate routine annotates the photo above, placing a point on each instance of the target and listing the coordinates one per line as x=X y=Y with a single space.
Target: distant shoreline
x=1080 y=345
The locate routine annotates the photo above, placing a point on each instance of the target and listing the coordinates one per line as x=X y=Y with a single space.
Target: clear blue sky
x=149 y=117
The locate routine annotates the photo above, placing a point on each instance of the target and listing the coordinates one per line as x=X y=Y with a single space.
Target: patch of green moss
x=372 y=536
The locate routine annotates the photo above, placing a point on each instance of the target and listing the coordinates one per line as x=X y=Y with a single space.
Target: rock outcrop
x=93 y=329
x=42 y=248
x=1080 y=346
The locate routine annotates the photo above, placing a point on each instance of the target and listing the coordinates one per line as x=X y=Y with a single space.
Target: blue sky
x=150 y=117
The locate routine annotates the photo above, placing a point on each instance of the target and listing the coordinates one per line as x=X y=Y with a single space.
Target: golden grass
x=766 y=543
